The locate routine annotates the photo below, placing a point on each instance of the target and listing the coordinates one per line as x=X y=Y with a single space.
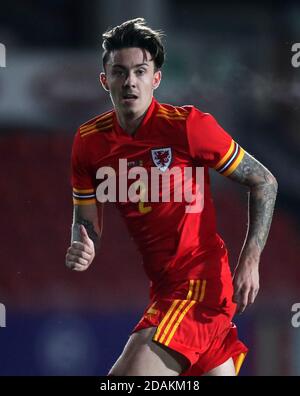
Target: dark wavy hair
x=134 y=33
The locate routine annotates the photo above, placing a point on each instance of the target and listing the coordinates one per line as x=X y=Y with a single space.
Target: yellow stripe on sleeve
x=86 y=191
x=235 y=164
x=81 y=202
x=226 y=156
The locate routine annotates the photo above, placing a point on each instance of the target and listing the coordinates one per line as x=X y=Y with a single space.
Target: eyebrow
x=123 y=67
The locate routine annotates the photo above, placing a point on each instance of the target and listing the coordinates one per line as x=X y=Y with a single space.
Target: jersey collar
x=151 y=110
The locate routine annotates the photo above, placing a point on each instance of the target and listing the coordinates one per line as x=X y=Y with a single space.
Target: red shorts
x=193 y=317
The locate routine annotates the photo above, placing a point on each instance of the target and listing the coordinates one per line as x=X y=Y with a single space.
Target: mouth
x=129 y=97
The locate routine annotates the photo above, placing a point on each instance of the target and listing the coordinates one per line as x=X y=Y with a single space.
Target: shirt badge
x=162 y=158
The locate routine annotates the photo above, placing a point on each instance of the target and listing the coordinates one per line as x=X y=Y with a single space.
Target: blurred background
x=232 y=60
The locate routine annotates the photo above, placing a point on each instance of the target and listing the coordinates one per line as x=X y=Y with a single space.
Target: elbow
x=271 y=180
x=274 y=181
x=268 y=181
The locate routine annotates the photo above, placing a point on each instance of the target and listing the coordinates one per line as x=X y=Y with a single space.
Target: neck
x=130 y=122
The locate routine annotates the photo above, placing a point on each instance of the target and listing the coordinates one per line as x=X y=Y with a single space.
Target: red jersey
x=175 y=244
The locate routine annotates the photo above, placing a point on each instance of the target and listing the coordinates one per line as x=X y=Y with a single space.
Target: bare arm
x=86 y=234
x=91 y=218
x=262 y=195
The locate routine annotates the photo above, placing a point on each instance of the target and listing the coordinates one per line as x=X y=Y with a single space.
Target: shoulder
x=177 y=113
x=182 y=113
x=100 y=123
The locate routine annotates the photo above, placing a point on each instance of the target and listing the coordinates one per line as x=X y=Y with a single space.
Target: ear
x=156 y=79
x=103 y=80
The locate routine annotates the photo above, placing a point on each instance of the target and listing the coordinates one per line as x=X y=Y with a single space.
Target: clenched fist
x=80 y=254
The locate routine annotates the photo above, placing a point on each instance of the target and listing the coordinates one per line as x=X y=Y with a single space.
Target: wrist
x=252 y=248
x=250 y=255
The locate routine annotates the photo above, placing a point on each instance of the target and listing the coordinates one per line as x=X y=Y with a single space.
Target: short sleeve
x=211 y=145
x=81 y=178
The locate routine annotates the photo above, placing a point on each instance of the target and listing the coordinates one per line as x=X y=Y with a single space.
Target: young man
x=187 y=328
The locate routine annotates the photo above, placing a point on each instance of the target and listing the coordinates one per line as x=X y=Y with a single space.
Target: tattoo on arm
x=263 y=190
x=89 y=226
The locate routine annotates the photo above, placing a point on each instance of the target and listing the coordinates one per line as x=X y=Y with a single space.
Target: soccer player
x=187 y=327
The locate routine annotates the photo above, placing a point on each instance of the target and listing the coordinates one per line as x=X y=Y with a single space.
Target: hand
x=246 y=282
x=80 y=254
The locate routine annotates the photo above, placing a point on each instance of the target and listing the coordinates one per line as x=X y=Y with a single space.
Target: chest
x=160 y=148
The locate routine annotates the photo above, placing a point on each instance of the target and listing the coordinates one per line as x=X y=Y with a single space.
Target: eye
x=118 y=73
x=140 y=72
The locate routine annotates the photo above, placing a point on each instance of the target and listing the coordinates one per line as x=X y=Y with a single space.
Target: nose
x=130 y=80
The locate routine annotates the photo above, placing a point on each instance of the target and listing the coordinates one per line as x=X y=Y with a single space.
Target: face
x=130 y=78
